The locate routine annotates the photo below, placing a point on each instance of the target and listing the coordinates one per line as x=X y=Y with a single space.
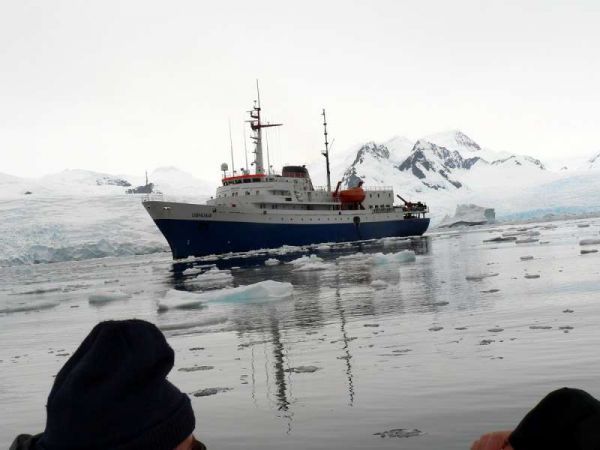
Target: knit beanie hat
x=113 y=393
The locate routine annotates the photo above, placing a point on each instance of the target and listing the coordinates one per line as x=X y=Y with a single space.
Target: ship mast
x=256 y=125
x=326 y=152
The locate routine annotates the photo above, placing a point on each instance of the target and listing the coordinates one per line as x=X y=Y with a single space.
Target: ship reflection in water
x=276 y=336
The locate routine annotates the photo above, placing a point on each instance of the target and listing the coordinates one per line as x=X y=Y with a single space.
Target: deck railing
x=153 y=197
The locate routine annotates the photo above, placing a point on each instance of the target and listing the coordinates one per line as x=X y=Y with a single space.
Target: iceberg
x=469 y=215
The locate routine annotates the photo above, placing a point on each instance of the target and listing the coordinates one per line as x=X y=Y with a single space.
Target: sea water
x=399 y=343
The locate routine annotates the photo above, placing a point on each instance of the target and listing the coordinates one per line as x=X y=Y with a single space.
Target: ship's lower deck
x=205 y=237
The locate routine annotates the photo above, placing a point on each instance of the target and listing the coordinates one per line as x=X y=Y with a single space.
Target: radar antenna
x=256 y=125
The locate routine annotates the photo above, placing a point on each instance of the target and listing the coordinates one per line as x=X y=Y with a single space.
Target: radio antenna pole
x=326 y=152
x=231 y=146
x=246 y=150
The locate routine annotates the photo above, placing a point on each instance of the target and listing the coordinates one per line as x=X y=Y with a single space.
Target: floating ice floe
x=102 y=298
x=398 y=257
x=214 y=277
x=287 y=249
x=531 y=276
x=210 y=391
x=272 y=262
x=480 y=276
x=526 y=241
x=309 y=263
x=526 y=258
x=399 y=433
x=502 y=239
x=378 y=284
x=27 y=307
x=197 y=269
x=302 y=369
x=195 y=368
x=354 y=257
x=587 y=252
x=262 y=291
x=209 y=321
x=176 y=299
x=589 y=242
x=323 y=247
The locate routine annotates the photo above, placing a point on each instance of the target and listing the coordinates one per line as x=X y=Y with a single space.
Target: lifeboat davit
x=352 y=195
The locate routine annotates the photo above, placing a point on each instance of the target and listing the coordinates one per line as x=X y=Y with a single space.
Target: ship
x=261 y=209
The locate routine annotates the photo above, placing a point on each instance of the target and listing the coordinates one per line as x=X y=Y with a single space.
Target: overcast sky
x=123 y=86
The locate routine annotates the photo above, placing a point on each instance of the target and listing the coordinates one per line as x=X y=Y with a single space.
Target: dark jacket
x=28 y=442
x=25 y=442
x=566 y=419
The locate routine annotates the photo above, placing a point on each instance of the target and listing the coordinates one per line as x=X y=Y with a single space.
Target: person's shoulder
x=25 y=442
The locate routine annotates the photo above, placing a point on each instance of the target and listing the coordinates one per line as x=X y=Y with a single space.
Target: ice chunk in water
x=209 y=321
x=210 y=391
x=306 y=260
x=175 y=299
x=526 y=241
x=214 y=277
x=398 y=257
x=481 y=276
x=196 y=269
x=526 y=258
x=302 y=369
x=399 y=433
x=308 y=263
x=589 y=242
x=378 y=284
x=30 y=306
x=272 y=262
x=102 y=298
x=262 y=291
x=354 y=257
x=587 y=252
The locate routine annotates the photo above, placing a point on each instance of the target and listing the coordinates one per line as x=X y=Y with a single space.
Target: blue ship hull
x=200 y=238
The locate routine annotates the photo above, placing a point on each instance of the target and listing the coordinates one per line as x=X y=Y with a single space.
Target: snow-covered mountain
x=446 y=161
x=449 y=168
x=76 y=182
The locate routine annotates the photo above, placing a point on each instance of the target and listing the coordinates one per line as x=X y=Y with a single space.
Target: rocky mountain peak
x=595 y=162
x=454 y=140
x=465 y=141
x=378 y=151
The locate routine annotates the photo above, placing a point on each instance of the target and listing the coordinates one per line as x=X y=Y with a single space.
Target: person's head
x=113 y=393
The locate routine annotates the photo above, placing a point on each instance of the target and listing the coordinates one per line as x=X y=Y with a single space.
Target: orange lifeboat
x=352 y=195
